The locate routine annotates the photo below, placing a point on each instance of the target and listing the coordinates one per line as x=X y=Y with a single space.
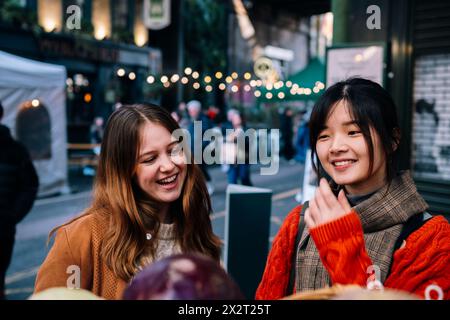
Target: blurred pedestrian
x=302 y=138
x=18 y=188
x=194 y=108
x=96 y=135
x=228 y=123
x=287 y=133
x=148 y=203
x=97 y=130
x=183 y=115
x=239 y=171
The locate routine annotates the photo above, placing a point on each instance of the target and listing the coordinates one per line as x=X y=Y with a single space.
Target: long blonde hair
x=118 y=196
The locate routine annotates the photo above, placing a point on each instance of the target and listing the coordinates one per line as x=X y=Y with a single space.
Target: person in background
x=18 y=189
x=97 y=130
x=194 y=108
x=239 y=171
x=287 y=133
x=302 y=138
x=148 y=203
x=367 y=225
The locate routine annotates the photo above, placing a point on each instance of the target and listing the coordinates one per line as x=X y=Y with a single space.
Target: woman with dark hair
x=367 y=225
x=148 y=203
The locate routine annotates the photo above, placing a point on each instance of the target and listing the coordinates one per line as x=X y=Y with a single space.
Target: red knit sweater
x=423 y=261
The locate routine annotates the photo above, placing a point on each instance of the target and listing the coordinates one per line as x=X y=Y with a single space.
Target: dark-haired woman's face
x=344 y=154
x=161 y=168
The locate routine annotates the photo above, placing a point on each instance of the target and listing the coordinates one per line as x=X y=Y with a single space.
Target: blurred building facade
x=102 y=43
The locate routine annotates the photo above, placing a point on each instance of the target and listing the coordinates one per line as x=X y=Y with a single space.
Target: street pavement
x=31 y=237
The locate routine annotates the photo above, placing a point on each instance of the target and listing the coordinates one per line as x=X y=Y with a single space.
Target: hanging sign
x=156 y=14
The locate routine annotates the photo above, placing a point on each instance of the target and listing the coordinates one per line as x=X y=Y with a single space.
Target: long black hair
x=370 y=106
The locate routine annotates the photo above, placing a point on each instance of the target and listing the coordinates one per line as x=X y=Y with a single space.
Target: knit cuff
x=346 y=226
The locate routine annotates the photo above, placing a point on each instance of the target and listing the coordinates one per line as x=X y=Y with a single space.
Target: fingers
x=314 y=212
x=308 y=220
x=343 y=201
x=320 y=201
x=327 y=195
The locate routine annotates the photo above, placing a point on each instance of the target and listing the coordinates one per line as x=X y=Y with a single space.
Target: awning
x=305 y=85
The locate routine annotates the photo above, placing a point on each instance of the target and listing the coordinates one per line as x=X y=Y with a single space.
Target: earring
x=148 y=236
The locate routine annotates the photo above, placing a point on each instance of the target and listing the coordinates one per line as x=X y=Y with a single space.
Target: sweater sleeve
x=342 y=249
x=424 y=262
x=68 y=264
x=276 y=274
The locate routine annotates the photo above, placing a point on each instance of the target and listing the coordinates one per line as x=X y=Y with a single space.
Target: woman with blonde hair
x=148 y=203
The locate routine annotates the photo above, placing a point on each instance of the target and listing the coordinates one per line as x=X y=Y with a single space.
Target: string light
x=121 y=72
x=295 y=88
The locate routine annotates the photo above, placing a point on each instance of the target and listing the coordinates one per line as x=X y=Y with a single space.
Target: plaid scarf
x=382 y=217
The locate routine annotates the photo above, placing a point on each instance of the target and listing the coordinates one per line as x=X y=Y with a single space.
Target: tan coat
x=78 y=244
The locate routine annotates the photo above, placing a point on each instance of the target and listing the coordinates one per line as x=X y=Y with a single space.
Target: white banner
x=156 y=14
x=365 y=62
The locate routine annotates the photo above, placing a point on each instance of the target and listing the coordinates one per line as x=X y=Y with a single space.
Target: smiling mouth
x=167 y=181
x=343 y=163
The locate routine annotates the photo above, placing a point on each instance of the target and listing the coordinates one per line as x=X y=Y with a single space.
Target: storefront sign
x=81 y=49
x=156 y=14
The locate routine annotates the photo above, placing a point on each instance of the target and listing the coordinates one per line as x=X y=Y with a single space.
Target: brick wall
x=431 y=124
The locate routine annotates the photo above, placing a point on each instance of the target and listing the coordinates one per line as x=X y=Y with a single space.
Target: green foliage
x=205 y=34
x=11 y=12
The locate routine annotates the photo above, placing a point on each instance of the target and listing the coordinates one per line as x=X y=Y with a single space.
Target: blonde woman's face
x=161 y=167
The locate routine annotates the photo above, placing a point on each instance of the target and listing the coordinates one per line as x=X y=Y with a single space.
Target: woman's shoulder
x=434 y=234
x=85 y=226
x=290 y=223
x=436 y=224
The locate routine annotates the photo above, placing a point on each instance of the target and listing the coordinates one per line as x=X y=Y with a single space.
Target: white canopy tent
x=21 y=81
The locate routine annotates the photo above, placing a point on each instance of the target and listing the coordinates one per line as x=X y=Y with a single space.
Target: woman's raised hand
x=325 y=207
